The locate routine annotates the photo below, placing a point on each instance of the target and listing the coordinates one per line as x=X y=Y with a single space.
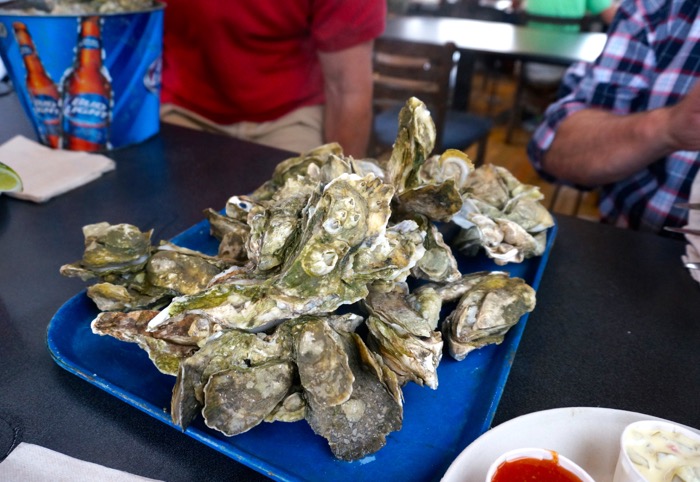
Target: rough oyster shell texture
x=332 y=288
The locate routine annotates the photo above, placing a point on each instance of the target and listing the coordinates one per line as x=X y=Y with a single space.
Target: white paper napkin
x=692 y=249
x=32 y=463
x=47 y=172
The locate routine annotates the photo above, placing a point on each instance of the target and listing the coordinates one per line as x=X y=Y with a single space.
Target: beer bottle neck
x=90 y=51
x=33 y=63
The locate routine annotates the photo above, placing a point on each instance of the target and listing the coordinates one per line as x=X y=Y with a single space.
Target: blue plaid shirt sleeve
x=650 y=60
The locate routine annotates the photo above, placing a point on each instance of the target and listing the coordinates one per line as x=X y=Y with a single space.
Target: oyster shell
x=166 y=347
x=323 y=364
x=110 y=249
x=438 y=264
x=229 y=349
x=438 y=202
x=232 y=235
x=180 y=272
x=450 y=165
x=501 y=215
x=486 y=312
x=322 y=273
x=425 y=185
x=411 y=357
x=291 y=409
x=414 y=143
x=312 y=161
x=117 y=297
x=240 y=398
x=358 y=426
x=275 y=225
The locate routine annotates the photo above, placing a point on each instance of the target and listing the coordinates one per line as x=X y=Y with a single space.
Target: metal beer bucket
x=87 y=82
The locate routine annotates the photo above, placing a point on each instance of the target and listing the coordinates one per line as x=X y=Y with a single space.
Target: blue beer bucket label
x=86 y=117
x=131 y=44
x=48 y=115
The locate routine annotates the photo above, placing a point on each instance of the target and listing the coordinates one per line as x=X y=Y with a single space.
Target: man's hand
x=683 y=126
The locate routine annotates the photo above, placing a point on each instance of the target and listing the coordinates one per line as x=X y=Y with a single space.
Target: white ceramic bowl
x=540 y=454
x=627 y=471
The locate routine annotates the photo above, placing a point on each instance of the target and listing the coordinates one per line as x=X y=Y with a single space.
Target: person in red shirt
x=292 y=74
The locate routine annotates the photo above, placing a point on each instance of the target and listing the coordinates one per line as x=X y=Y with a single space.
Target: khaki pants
x=298 y=131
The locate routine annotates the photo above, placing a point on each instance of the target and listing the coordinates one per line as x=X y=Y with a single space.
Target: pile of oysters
x=329 y=289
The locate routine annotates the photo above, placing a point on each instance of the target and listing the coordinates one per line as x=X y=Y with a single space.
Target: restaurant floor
x=513 y=156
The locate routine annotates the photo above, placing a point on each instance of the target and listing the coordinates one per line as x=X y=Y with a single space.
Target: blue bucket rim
x=158 y=5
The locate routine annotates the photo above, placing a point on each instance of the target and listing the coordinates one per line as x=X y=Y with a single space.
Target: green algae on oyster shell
x=110 y=249
x=485 y=313
x=134 y=275
x=425 y=185
x=344 y=246
x=182 y=272
x=127 y=297
x=296 y=166
x=275 y=224
x=414 y=143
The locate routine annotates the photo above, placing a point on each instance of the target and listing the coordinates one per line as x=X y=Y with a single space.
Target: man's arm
x=594 y=147
x=348 y=89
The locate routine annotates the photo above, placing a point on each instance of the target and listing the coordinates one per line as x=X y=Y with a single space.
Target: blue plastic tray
x=437 y=426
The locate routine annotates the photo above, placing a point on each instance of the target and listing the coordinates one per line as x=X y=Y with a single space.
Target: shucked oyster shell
x=132 y=274
x=240 y=398
x=402 y=331
x=486 y=312
x=438 y=264
x=166 y=347
x=358 y=426
x=221 y=353
x=110 y=249
x=275 y=224
x=344 y=246
x=425 y=185
x=501 y=215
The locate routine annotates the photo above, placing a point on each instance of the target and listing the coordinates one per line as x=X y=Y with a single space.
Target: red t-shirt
x=255 y=60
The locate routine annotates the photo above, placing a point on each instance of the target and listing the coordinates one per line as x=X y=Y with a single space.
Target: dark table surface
x=617 y=322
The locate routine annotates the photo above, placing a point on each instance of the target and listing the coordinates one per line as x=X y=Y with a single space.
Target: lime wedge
x=9 y=179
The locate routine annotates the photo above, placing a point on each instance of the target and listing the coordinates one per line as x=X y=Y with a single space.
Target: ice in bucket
x=87 y=82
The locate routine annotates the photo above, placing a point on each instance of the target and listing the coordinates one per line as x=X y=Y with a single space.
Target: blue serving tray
x=437 y=424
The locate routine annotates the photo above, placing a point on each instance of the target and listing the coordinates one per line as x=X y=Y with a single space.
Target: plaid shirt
x=651 y=58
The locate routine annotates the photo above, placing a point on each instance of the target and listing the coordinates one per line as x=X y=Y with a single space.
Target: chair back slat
x=404 y=69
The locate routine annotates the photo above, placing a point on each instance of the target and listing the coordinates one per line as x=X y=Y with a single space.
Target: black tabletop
x=616 y=324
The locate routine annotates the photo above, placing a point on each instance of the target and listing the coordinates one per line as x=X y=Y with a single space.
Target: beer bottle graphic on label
x=87 y=93
x=43 y=93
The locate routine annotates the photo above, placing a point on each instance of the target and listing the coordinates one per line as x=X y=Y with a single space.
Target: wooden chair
x=405 y=69
x=538 y=93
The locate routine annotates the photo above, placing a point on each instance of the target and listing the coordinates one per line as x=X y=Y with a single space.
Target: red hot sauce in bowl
x=528 y=469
